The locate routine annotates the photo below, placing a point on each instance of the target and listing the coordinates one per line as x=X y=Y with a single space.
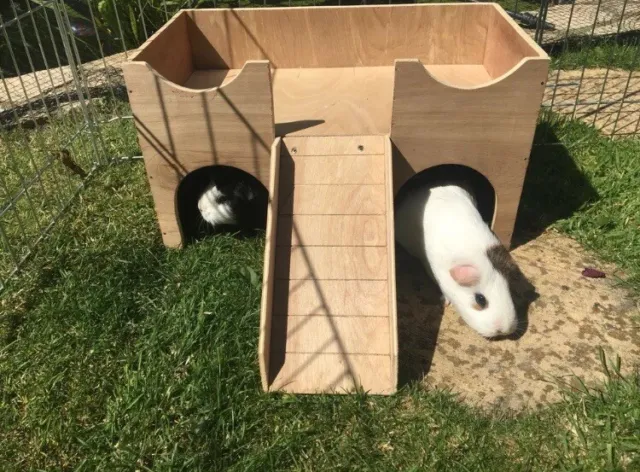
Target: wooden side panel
x=266 y=306
x=507 y=44
x=169 y=50
x=391 y=264
x=339 y=36
x=334 y=101
x=181 y=130
x=489 y=129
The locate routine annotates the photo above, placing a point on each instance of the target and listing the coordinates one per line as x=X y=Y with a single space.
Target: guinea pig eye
x=481 y=302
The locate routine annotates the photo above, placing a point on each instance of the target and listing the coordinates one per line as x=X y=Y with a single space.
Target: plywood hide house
x=333 y=109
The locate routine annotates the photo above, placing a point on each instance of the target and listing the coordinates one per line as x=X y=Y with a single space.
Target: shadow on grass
x=90 y=264
x=554 y=187
x=110 y=284
x=14 y=317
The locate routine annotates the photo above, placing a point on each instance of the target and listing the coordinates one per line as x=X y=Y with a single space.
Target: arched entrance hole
x=479 y=185
x=251 y=215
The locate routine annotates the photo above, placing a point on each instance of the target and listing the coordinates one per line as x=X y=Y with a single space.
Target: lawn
x=31 y=160
x=116 y=353
x=616 y=53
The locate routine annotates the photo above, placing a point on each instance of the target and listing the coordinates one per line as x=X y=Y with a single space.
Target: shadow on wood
x=290 y=127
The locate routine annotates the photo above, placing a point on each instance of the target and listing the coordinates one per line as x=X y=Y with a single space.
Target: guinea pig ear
x=465 y=275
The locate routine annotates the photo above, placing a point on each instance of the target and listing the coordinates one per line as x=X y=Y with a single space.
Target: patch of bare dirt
x=570 y=320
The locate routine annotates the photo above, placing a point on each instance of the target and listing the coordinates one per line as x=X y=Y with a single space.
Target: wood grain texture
x=332 y=230
x=507 y=44
x=331 y=263
x=345 y=36
x=168 y=51
x=337 y=170
x=352 y=101
x=206 y=79
x=334 y=373
x=334 y=297
x=327 y=334
x=181 y=130
x=340 y=101
x=333 y=200
x=489 y=129
x=319 y=102
x=391 y=263
x=332 y=267
x=334 y=146
x=268 y=273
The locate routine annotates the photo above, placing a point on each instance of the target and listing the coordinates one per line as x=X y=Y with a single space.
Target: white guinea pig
x=441 y=226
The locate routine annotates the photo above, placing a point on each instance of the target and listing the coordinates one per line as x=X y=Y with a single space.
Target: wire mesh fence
x=595 y=50
x=64 y=109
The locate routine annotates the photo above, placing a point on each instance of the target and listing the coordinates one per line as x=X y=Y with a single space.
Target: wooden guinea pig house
x=333 y=109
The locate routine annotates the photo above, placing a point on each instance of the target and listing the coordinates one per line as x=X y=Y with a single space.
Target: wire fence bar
x=565 y=45
x=26 y=14
x=64 y=111
x=56 y=191
x=625 y=92
x=610 y=59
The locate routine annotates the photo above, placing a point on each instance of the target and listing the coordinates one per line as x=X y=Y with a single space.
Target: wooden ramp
x=328 y=319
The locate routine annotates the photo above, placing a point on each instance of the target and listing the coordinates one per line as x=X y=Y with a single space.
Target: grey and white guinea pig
x=441 y=226
x=234 y=203
x=216 y=208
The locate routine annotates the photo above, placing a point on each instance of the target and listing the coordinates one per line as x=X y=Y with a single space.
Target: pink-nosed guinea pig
x=441 y=226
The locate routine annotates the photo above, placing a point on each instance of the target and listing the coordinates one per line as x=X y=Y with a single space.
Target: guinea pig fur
x=441 y=226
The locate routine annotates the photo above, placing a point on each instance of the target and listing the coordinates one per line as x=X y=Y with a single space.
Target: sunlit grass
x=120 y=354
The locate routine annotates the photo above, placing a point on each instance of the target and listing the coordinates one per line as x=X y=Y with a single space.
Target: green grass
x=603 y=54
x=28 y=162
x=119 y=354
x=116 y=353
x=587 y=186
